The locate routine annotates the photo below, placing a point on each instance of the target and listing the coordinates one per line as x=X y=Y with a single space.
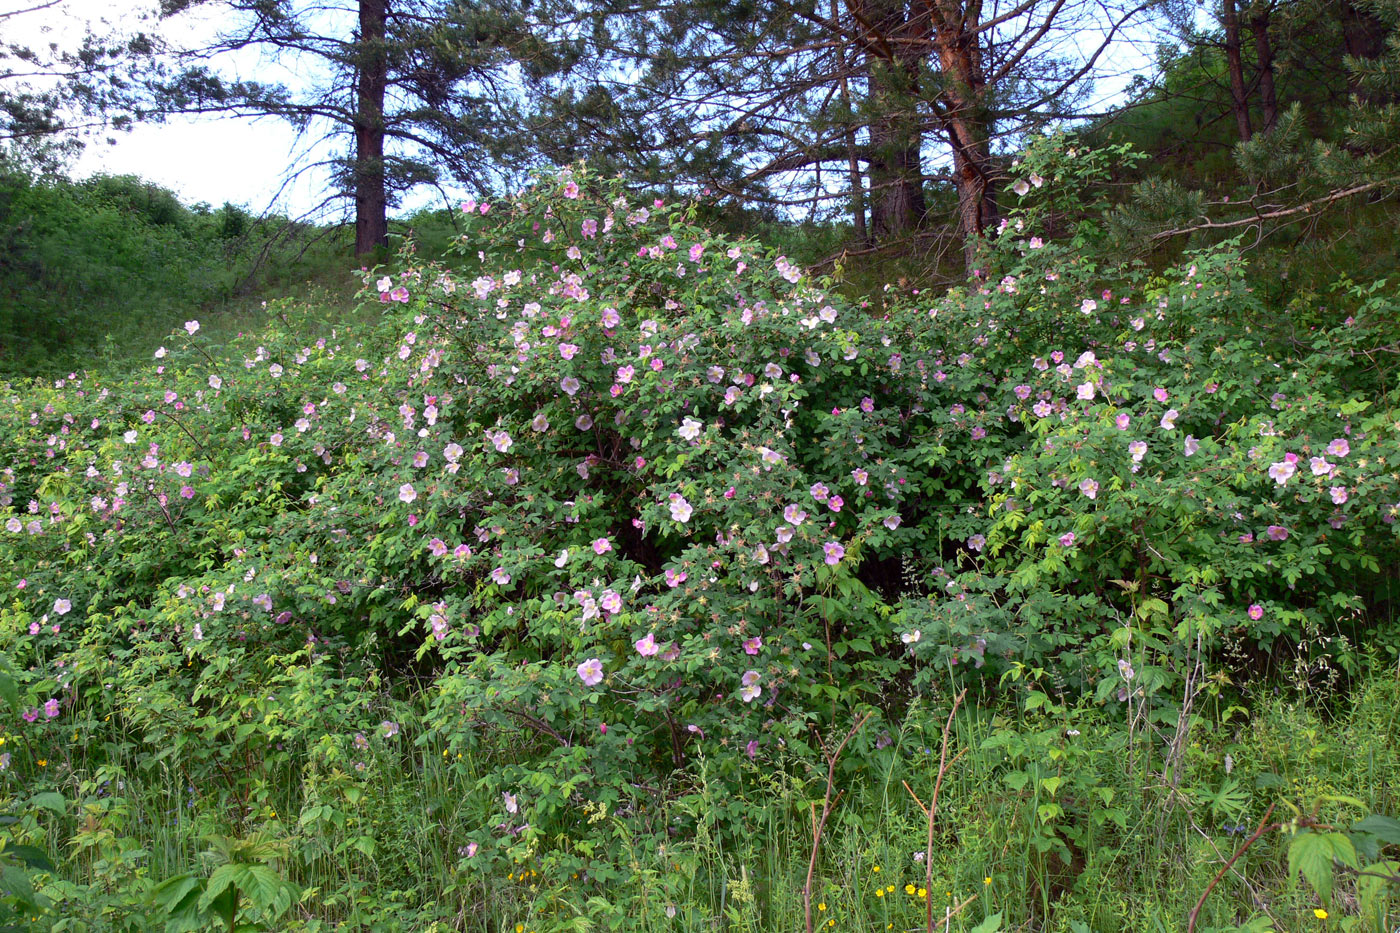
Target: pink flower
x=1281 y=471
x=51 y=708
x=62 y=607
x=646 y=646
x=407 y=493
x=1339 y=447
x=591 y=672
x=1090 y=488
x=752 y=645
x=602 y=546
x=1320 y=467
x=834 y=552
x=500 y=577
x=680 y=509
x=1256 y=612
x=1169 y=419
x=1160 y=394
x=1339 y=495
x=1122 y=420
x=1067 y=539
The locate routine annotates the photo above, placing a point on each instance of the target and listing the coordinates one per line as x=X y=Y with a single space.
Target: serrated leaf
x=1311 y=854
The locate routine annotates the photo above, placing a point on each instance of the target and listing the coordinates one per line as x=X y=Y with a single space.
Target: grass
x=1109 y=847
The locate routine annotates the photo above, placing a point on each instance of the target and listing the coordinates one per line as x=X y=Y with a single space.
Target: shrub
x=627 y=495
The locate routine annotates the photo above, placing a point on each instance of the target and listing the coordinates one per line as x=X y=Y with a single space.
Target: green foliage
x=94 y=267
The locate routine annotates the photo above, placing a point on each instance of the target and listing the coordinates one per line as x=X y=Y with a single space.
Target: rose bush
x=616 y=492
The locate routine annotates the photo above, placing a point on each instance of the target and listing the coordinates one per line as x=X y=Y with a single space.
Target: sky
x=202 y=159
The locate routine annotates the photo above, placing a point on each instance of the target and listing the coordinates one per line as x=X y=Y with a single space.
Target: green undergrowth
x=1061 y=819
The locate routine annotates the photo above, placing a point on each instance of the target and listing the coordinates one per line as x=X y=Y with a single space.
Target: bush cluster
x=620 y=495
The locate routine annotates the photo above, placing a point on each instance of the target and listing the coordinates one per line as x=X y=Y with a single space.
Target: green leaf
x=990 y=925
x=9 y=691
x=1384 y=828
x=1311 y=854
x=49 y=800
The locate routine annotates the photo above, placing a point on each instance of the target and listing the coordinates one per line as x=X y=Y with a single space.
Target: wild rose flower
x=1256 y=612
x=1320 y=467
x=646 y=646
x=407 y=493
x=1169 y=419
x=834 y=552
x=602 y=546
x=500 y=576
x=1067 y=539
x=680 y=509
x=753 y=645
x=1339 y=447
x=1281 y=472
x=591 y=672
x=1089 y=488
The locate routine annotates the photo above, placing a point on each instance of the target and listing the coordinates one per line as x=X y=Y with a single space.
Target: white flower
x=690 y=429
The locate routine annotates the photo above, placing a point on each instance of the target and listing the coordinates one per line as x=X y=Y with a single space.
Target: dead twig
x=828 y=805
x=1264 y=826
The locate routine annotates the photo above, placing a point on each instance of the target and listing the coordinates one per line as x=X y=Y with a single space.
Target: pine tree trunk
x=1264 y=52
x=897 y=204
x=1234 y=63
x=969 y=129
x=371 y=198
